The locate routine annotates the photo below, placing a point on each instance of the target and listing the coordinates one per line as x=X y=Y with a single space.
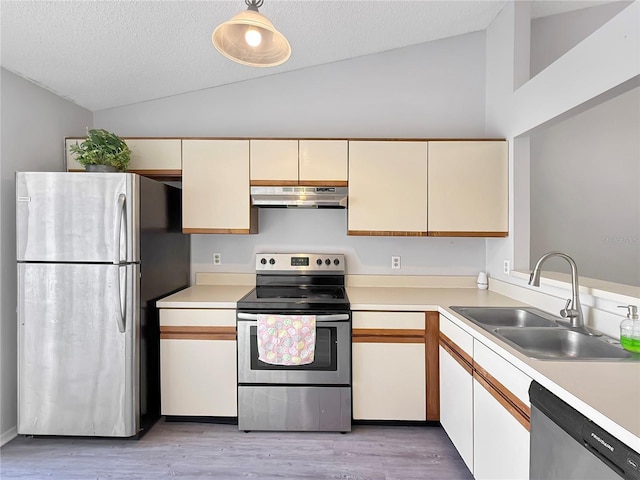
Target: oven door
x=332 y=358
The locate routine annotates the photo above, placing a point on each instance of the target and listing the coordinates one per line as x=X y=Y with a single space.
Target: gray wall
x=34 y=123
x=585 y=190
x=429 y=90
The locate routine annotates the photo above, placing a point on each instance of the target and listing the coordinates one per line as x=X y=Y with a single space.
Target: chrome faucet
x=573 y=309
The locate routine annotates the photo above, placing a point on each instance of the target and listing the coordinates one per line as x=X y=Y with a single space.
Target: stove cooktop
x=287 y=298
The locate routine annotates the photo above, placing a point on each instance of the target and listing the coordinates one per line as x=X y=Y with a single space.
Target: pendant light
x=251 y=39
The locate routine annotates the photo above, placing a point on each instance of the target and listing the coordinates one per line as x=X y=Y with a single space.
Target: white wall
x=34 y=123
x=605 y=64
x=429 y=90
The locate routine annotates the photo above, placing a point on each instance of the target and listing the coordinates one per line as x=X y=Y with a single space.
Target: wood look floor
x=205 y=450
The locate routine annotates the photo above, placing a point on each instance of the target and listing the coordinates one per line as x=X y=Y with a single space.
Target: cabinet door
x=388 y=366
x=198 y=377
x=501 y=413
x=198 y=362
x=323 y=162
x=387 y=188
x=500 y=442
x=468 y=188
x=389 y=381
x=72 y=165
x=215 y=187
x=274 y=162
x=149 y=156
x=155 y=155
x=456 y=405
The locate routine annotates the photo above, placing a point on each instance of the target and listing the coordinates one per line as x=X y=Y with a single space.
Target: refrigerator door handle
x=122 y=299
x=120 y=212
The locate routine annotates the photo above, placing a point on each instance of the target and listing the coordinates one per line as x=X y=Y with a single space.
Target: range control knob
x=336 y=262
x=327 y=262
x=272 y=262
x=263 y=261
x=319 y=262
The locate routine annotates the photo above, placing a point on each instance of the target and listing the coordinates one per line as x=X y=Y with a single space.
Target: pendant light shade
x=251 y=39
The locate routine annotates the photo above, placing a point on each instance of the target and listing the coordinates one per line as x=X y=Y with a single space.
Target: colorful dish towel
x=286 y=339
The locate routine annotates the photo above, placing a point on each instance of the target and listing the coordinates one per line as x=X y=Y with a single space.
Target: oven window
x=325 y=357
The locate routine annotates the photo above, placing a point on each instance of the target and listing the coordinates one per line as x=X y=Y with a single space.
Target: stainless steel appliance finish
x=302 y=197
x=94 y=253
x=294 y=408
x=316 y=396
x=565 y=445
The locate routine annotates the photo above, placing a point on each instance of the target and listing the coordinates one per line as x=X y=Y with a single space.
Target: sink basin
x=561 y=343
x=494 y=317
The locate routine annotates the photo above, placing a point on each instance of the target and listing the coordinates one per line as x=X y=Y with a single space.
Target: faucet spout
x=573 y=308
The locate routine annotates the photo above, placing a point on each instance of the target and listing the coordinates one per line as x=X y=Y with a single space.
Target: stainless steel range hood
x=300 y=197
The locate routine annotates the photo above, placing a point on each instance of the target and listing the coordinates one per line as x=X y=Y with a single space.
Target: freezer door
x=78 y=350
x=77 y=217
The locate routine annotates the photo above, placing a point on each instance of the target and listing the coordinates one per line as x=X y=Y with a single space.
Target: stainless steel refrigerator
x=94 y=252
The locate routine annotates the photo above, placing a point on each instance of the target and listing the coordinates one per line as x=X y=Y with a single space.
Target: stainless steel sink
x=561 y=343
x=540 y=335
x=490 y=318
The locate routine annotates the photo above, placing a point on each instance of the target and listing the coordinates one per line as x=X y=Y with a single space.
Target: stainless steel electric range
x=311 y=397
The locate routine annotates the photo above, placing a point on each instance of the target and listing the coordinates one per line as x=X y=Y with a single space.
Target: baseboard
x=7 y=436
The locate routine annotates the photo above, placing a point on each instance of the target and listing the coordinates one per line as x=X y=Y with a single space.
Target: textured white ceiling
x=104 y=54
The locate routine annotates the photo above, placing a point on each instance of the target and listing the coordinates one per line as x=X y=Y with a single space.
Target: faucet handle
x=568 y=312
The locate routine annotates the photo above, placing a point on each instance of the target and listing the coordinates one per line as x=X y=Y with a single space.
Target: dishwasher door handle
x=319 y=318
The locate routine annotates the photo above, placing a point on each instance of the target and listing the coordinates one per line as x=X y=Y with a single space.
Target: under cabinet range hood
x=299 y=197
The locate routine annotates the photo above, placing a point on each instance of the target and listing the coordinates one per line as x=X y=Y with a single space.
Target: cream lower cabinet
x=215 y=187
x=501 y=413
x=387 y=188
x=468 y=188
x=161 y=157
x=389 y=368
x=484 y=406
x=198 y=362
x=456 y=388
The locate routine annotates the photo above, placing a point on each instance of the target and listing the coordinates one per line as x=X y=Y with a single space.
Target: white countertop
x=606 y=392
x=206 y=296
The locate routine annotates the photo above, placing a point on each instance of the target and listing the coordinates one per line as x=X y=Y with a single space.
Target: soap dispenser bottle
x=630 y=329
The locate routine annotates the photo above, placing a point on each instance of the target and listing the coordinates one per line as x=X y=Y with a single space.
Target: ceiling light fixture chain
x=251 y=39
x=253 y=5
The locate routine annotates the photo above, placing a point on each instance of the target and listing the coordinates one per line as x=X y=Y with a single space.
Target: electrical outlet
x=217 y=259
x=395 y=261
x=506 y=267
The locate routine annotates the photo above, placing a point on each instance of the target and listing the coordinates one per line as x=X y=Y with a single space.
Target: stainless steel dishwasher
x=566 y=445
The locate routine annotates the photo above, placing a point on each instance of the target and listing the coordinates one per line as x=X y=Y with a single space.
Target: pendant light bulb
x=253 y=37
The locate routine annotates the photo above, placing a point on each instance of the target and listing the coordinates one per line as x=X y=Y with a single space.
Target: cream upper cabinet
x=215 y=187
x=274 y=162
x=387 y=188
x=323 y=161
x=149 y=156
x=468 y=188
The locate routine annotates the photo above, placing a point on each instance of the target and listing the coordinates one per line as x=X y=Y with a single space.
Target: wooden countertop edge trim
x=515 y=406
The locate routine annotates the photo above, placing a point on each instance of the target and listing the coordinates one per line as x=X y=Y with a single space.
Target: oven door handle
x=319 y=318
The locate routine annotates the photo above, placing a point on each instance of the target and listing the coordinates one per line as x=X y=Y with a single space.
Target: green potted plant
x=102 y=151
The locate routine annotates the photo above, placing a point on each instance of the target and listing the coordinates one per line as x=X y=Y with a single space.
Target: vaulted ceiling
x=104 y=54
